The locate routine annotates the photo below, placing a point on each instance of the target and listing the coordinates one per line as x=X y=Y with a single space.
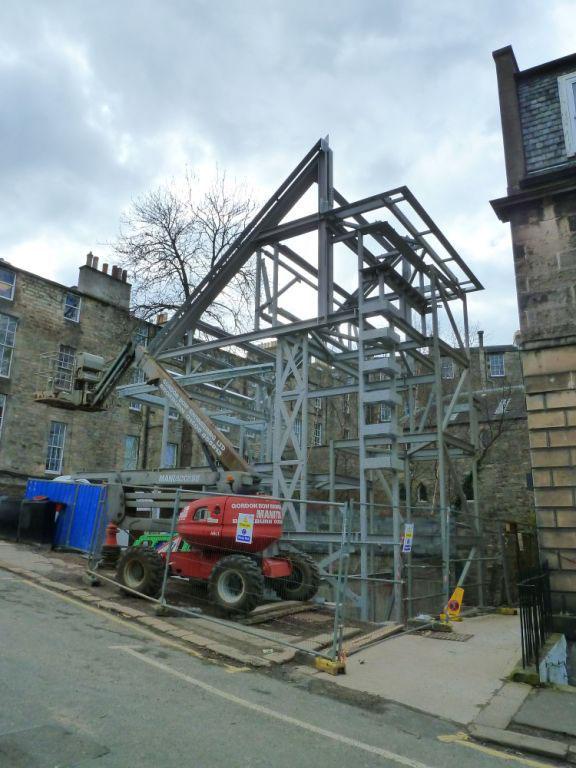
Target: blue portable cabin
x=81 y=523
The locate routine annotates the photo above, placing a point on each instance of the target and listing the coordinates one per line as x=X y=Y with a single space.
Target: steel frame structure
x=380 y=339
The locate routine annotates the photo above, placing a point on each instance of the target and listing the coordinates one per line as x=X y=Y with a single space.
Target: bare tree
x=171 y=237
x=494 y=417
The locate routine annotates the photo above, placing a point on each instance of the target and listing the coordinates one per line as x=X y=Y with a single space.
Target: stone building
x=538 y=111
x=44 y=326
x=505 y=477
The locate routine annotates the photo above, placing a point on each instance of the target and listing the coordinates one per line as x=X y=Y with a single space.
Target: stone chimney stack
x=112 y=288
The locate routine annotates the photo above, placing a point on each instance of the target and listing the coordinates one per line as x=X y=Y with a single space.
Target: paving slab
x=448 y=679
x=500 y=711
x=521 y=741
x=325 y=639
x=549 y=710
x=25 y=558
x=223 y=629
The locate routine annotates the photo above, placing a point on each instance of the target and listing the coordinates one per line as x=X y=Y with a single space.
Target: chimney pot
x=105 y=269
x=480 y=339
x=124 y=275
x=89 y=258
x=114 y=271
x=95 y=262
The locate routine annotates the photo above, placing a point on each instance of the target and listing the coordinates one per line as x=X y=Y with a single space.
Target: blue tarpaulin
x=81 y=524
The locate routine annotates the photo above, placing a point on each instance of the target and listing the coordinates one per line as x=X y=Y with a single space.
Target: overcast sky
x=103 y=100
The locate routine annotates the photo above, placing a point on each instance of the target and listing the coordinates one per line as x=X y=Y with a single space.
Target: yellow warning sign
x=455 y=603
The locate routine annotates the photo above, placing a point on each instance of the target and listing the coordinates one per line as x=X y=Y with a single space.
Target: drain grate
x=458 y=637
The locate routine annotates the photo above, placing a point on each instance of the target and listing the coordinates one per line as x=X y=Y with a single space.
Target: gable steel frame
x=378 y=334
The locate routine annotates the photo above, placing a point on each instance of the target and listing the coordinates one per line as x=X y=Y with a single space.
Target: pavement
x=276 y=641
x=83 y=688
x=449 y=678
x=548 y=710
x=461 y=679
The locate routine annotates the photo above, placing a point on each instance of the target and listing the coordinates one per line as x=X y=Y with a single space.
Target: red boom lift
x=233 y=548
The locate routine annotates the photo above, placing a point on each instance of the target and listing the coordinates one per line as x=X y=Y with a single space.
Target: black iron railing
x=535 y=613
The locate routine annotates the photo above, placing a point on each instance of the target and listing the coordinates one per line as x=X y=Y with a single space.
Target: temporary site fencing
x=316 y=628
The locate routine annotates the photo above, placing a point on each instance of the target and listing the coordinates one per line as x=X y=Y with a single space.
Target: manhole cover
x=47 y=746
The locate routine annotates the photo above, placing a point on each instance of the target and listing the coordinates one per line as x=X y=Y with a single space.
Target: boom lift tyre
x=236 y=584
x=141 y=569
x=228 y=543
x=303 y=582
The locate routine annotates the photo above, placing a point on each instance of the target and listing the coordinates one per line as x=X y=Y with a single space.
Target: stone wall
x=94 y=441
x=551 y=398
x=504 y=476
x=505 y=482
x=541 y=209
x=544 y=246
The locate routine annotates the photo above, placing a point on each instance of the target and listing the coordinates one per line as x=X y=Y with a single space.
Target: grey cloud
x=406 y=90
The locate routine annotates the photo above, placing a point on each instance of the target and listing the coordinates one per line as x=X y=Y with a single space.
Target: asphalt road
x=81 y=688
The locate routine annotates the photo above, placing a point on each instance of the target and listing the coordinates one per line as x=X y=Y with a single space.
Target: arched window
x=422 y=492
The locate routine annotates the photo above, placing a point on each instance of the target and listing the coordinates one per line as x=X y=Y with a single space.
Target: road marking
x=231 y=670
x=463 y=740
x=123 y=647
x=136 y=628
x=265 y=711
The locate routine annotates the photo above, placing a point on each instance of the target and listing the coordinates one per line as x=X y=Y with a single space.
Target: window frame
x=503 y=405
x=297 y=428
x=4 y=345
x=317 y=434
x=54 y=446
x=10 y=271
x=136 y=439
x=173 y=414
x=65 y=358
x=385 y=413
x=165 y=457
x=3 y=401
x=444 y=361
x=491 y=356
x=138 y=377
x=77 y=308
x=567 y=95
x=141 y=335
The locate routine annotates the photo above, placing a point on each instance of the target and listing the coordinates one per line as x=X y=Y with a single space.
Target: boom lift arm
x=218 y=445
x=219 y=448
x=305 y=174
